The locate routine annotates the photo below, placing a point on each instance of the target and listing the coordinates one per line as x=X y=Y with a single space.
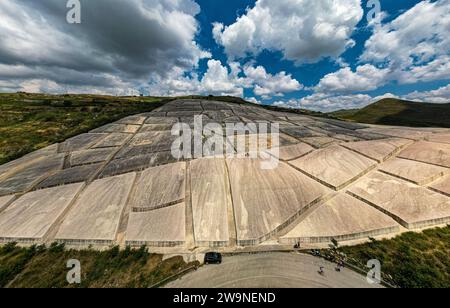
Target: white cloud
x=253 y=100
x=441 y=95
x=415 y=45
x=330 y=102
x=326 y=103
x=268 y=85
x=365 y=78
x=303 y=30
x=219 y=80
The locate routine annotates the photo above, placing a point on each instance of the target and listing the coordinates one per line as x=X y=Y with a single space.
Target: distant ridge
x=391 y=111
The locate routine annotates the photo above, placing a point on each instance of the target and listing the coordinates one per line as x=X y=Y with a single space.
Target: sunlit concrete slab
x=255 y=142
x=90 y=156
x=210 y=200
x=113 y=140
x=379 y=150
x=133 y=120
x=26 y=161
x=81 y=142
x=320 y=142
x=71 y=175
x=159 y=228
x=267 y=200
x=4 y=201
x=442 y=185
x=428 y=152
x=32 y=175
x=399 y=142
x=334 y=166
x=411 y=205
x=137 y=163
x=118 y=128
x=413 y=134
x=342 y=218
x=16 y=166
x=28 y=219
x=95 y=217
x=294 y=151
x=413 y=171
x=159 y=187
x=441 y=138
x=300 y=132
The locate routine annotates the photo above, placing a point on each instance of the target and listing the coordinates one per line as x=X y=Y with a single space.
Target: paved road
x=271 y=270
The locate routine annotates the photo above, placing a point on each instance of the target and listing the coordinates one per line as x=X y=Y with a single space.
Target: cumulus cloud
x=118 y=43
x=332 y=102
x=415 y=45
x=441 y=95
x=364 y=78
x=219 y=80
x=304 y=31
x=253 y=100
x=326 y=103
x=412 y=48
x=268 y=85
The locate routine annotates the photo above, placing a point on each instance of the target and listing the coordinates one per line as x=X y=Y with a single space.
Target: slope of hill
x=29 y=122
x=392 y=111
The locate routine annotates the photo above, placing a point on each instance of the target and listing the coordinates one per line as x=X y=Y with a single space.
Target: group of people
x=339 y=263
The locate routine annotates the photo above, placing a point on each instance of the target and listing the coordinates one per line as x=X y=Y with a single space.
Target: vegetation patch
x=411 y=260
x=46 y=267
x=391 y=111
x=29 y=122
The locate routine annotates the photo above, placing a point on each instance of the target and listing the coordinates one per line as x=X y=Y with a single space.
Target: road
x=271 y=270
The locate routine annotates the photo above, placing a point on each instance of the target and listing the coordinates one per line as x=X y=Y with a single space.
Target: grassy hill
x=29 y=122
x=391 y=111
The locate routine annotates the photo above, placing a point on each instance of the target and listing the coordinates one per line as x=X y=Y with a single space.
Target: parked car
x=213 y=258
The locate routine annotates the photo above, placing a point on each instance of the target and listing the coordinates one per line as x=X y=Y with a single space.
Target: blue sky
x=316 y=54
x=227 y=12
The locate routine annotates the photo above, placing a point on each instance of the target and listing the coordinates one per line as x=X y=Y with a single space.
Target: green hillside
x=392 y=111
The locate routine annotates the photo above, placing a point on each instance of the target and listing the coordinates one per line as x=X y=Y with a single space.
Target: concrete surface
x=442 y=185
x=379 y=150
x=232 y=204
x=428 y=152
x=4 y=201
x=265 y=200
x=95 y=217
x=294 y=151
x=162 y=227
x=90 y=156
x=412 y=206
x=159 y=187
x=210 y=202
x=30 y=217
x=334 y=165
x=416 y=172
x=342 y=218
